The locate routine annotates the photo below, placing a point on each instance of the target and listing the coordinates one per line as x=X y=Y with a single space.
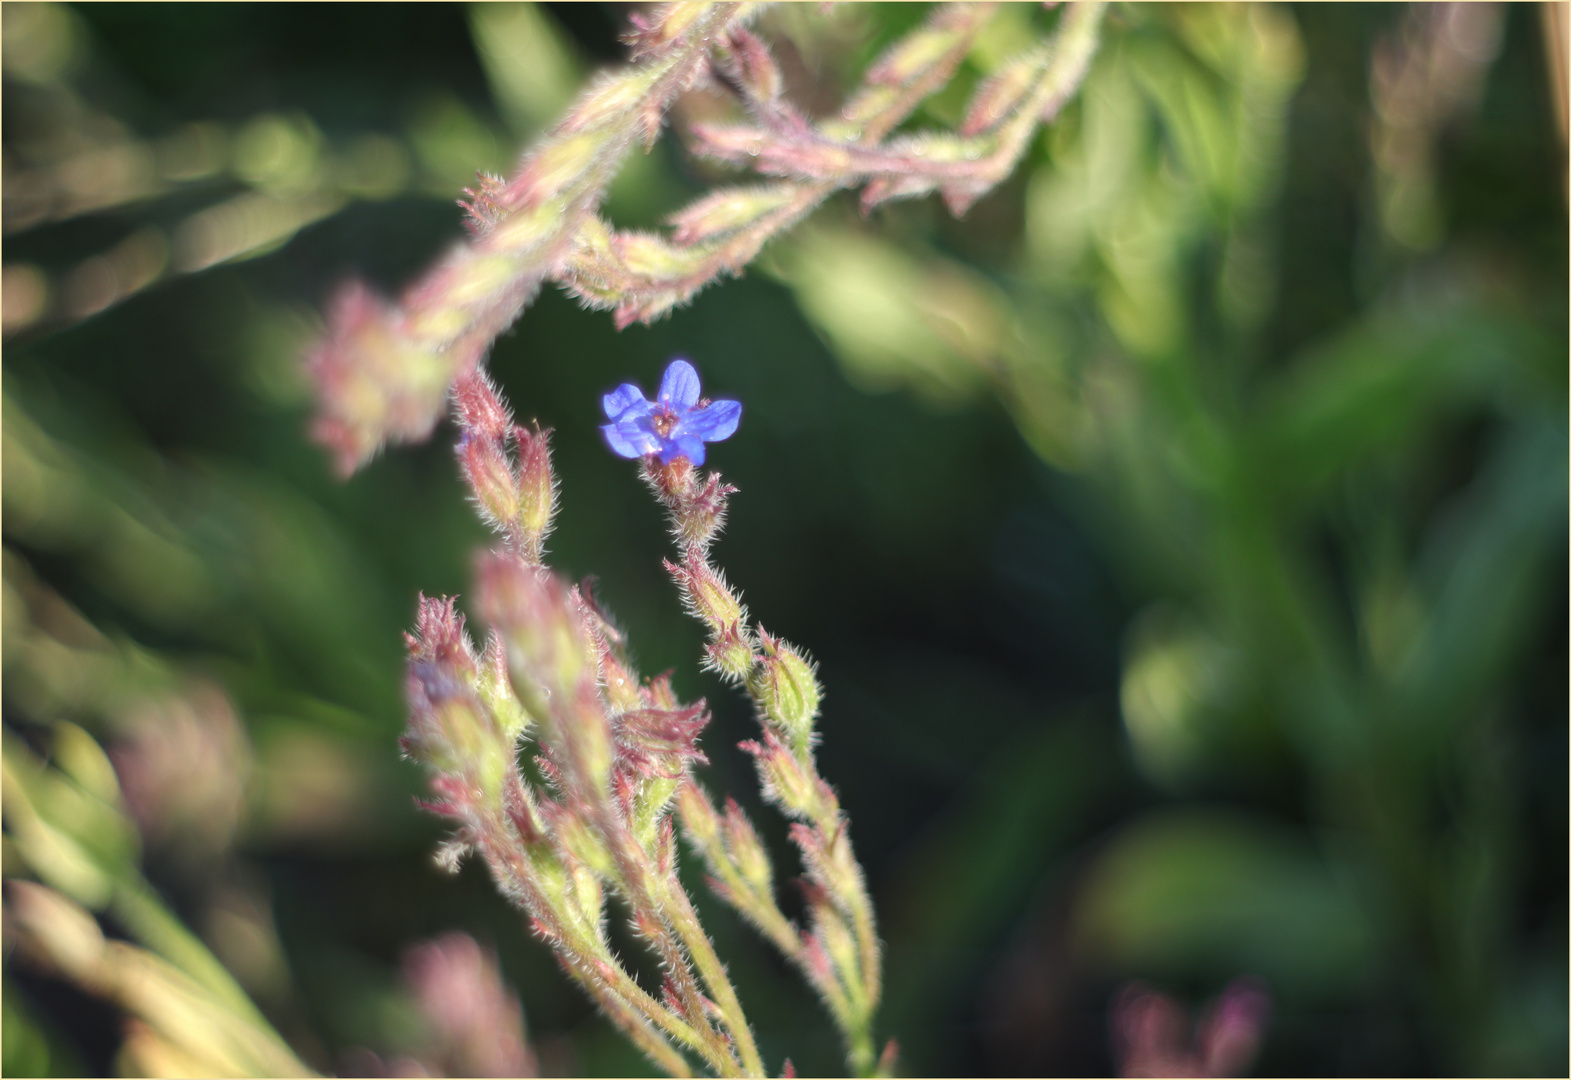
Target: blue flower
x=676 y=424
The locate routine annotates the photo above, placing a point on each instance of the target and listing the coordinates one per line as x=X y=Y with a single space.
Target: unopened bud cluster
x=839 y=951
x=590 y=814
x=697 y=509
x=507 y=467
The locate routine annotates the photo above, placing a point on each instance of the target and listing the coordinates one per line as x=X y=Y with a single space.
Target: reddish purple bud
x=662 y=741
x=490 y=478
x=480 y=409
x=439 y=634
x=752 y=66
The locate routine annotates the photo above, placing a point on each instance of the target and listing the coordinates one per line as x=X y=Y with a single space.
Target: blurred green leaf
x=1205 y=894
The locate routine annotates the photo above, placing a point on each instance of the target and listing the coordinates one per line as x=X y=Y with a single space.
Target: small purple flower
x=676 y=424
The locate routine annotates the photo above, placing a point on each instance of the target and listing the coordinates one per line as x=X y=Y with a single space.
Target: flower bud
x=649 y=808
x=450 y=730
x=707 y=594
x=551 y=658
x=536 y=488
x=840 y=945
x=787 y=782
x=751 y=65
x=496 y=690
x=583 y=842
x=746 y=850
x=828 y=862
x=783 y=685
x=699 y=818
x=730 y=653
x=490 y=477
x=450 y=727
x=547 y=649
x=480 y=409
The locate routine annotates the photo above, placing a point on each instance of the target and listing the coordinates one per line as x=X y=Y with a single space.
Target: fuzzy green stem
x=640 y=888
x=600 y=973
x=679 y=908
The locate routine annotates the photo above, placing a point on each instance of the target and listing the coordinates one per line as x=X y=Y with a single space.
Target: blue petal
x=624 y=397
x=627 y=439
x=683 y=445
x=679 y=387
x=714 y=421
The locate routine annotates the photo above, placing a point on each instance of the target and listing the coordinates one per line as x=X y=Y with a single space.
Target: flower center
x=664 y=420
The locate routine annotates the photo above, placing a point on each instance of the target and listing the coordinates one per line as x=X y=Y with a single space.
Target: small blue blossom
x=676 y=424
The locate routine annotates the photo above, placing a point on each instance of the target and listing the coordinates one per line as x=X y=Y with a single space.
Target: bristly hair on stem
x=381 y=371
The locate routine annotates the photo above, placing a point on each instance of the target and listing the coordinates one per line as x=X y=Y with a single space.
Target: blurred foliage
x=1178 y=534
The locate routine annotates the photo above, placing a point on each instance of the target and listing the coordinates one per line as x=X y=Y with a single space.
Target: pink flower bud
x=452 y=732
x=490 y=478
x=752 y=66
x=480 y=409
x=660 y=742
x=728 y=209
x=450 y=727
